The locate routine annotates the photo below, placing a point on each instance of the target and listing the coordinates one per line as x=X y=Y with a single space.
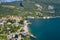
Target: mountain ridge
x=29 y=6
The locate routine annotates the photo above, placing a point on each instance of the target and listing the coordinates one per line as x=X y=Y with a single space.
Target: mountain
x=31 y=7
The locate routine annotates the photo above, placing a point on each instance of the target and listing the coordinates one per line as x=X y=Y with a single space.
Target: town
x=15 y=28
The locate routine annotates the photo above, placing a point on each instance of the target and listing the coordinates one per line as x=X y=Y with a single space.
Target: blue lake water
x=45 y=29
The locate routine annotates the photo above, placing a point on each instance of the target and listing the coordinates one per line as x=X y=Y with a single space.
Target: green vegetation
x=29 y=9
x=26 y=38
x=3 y=37
x=5 y=28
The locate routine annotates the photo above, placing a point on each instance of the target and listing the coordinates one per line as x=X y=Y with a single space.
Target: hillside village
x=14 y=27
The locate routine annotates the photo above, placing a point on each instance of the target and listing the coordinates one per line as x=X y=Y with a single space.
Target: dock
x=32 y=36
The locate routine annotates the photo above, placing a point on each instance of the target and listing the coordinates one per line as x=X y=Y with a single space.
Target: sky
x=10 y=0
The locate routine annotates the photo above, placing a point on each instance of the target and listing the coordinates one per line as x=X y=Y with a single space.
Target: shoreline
x=26 y=23
x=45 y=17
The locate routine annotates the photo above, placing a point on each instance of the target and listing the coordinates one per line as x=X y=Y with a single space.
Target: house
x=9 y=23
x=8 y=29
x=1 y=22
x=17 y=19
x=16 y=24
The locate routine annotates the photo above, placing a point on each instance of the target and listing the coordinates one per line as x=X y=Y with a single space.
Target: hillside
x=31 y=7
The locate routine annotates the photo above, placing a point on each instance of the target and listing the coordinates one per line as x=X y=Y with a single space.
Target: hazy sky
x=9 y=0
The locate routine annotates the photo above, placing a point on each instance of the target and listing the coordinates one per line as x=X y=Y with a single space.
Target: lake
x=45 y=29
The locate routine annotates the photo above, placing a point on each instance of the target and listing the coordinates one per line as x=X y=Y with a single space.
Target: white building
x=16 y=24
x=50 y=7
